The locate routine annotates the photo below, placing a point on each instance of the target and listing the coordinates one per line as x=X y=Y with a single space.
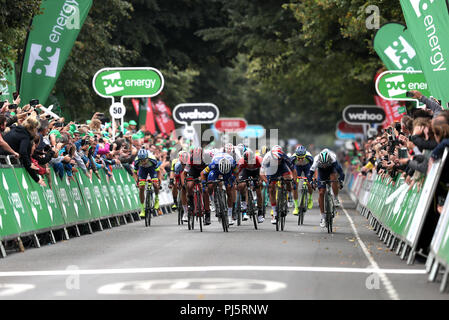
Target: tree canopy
x=292 y=65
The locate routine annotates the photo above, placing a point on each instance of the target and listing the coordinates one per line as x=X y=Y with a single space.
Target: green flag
x=8 y=85
x=428 y=22
x=395 y=47
x=49 y=44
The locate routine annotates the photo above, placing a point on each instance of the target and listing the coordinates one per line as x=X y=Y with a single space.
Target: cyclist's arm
x=339 y=169
x=204 y=173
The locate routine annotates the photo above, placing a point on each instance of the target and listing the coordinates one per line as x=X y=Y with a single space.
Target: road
x=168 y=261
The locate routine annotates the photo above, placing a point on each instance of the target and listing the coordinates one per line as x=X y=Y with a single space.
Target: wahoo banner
x=8 y=85
x=395 y=47
x=428 y=22
x=50 y=41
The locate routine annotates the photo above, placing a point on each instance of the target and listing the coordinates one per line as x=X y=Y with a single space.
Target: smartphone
x=13 y=106
x=403 y=153
x=2 y=103
x=34 y=102
x=409 y=94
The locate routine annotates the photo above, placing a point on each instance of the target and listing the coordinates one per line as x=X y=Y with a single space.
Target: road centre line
x=5 y=274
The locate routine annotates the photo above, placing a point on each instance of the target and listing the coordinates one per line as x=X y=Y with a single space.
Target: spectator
x=19 y=138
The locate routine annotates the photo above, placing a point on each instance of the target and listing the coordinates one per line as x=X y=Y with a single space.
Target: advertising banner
x=50 y=42
x=428 y=22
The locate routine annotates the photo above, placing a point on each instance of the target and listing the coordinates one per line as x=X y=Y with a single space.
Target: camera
x=34 y=102
x=13 y=106
x=409 y=94
x=403 y=153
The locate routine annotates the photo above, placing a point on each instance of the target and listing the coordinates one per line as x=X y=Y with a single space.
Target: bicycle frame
x=250 y=198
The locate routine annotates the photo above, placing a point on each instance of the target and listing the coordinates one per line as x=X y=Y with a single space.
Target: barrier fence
x=398 y=212
x=28 y=209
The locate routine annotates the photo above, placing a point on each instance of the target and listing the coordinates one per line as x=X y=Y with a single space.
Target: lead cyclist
x=327 y=165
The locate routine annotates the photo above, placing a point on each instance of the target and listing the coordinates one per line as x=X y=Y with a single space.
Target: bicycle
x=281 y=203
x=303 y=200
x=220 y=203
x=329 y=205
x=265 y=199
x=149 y=203
x=198 y=206
x=250 y=185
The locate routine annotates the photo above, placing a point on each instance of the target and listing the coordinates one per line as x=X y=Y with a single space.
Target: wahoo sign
x=189 y=113
x=361 y=114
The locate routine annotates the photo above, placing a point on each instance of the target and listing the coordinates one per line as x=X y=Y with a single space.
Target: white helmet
x=224 y=166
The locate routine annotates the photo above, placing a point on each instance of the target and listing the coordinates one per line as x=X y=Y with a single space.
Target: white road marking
x=193 y=286
x=375 y=269
x=10 y=289
x=381 y=272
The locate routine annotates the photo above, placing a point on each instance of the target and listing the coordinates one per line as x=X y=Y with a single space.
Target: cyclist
x=222 y=164
x=327 y=164
x=232 y=151
x=303 y=160
x=146 y=165
x=274 y=165
x=192 y=171
x=249 y=166
x=177 y=167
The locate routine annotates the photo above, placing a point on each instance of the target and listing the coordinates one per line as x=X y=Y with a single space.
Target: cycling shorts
x=144 y=172
x=283 y=170
x=245 y=174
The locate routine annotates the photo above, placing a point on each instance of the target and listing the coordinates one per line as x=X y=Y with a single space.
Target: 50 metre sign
x=128 y=82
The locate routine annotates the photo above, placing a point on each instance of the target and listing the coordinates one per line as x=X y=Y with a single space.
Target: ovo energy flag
x=428 y=22
x=50 y=41
x=395 y=47
x=8 y=85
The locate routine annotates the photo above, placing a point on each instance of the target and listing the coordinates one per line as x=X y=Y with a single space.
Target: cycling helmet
x=183 y=157
x=142 y=154
x=224 y=166
x=249 y=156
x=263 y=150
x=324 y=159
x=301 y=151
x=277 y=152
x=229 y=148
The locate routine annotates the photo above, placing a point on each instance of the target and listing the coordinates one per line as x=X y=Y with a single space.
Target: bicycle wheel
x=278 y=210
x=327 y=209
x=199 y=211
x=180 y=209
x=284 y=208
x=224 y=213
x=238 y=210
x=251 y=208
x=148 y=207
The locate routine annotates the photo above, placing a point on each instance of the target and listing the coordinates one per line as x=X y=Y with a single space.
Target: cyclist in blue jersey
x=146 y=165
x=223 y=165
x=327 y=165
x=276 y=164
x=302 y=160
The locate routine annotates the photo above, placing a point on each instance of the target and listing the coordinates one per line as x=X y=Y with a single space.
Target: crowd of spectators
x=409 y=147
x=42 y=141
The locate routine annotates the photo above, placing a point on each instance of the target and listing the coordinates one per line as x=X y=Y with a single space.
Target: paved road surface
x=168 y=261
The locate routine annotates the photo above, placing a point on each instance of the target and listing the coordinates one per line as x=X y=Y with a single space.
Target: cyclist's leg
x=230 y=191
x=243 y=192
x=296 y=187
x=206 y=206
x=335 y=189
x=142 y=174
x=184 y=203
x=306 y=171
x=323 y=174
x=272 y=195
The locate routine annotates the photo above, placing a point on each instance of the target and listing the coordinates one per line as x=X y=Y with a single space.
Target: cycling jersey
x=147 y=167
x=273 y=168
x=324 y=173
x=213 y=172
x=302 y=165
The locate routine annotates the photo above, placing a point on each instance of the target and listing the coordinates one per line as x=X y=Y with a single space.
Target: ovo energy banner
x=50 y=41
x=428 y=22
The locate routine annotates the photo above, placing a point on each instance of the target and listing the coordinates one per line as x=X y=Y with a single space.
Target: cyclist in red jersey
x=249 y=166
